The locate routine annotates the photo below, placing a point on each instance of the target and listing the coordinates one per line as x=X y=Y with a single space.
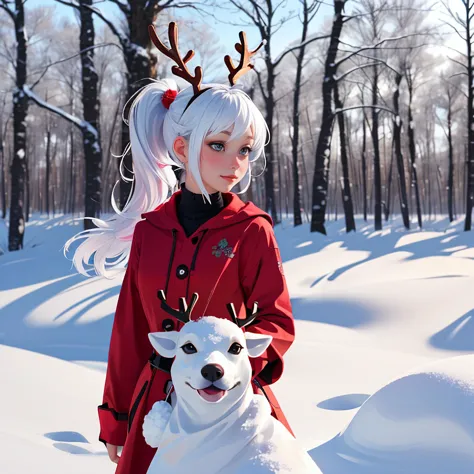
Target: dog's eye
x=235 y=348
x=189 y=348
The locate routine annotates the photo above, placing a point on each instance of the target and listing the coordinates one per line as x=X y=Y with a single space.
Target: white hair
x=153 y=130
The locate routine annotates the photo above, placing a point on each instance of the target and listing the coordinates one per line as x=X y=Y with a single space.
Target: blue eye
x=216 y=146
x=247 y=152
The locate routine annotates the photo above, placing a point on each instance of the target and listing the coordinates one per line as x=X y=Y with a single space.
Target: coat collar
x=165 y=216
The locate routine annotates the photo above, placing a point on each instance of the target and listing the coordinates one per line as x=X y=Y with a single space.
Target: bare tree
x=412 y=64
x=310 y=10
x=397 y=140
x=346 y=192
x=332 y=65
x=323 y=149
x=452 y=91
x=16 y=12
x=3 y=132
x=263 y=15
x=47 y=186
x=364 y=160
x=372 y=15
x=139 y=59
x=91 y=111
x=410 y=78
x=463 y=25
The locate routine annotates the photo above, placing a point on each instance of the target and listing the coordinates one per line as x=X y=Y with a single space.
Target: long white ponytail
x=153 y=179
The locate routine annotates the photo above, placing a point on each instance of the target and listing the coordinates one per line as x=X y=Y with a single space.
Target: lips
x=230 y=177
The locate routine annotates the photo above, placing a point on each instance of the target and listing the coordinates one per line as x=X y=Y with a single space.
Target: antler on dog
x=173 y=53
x=244 y=65
x=184 y=313
x=250 y=318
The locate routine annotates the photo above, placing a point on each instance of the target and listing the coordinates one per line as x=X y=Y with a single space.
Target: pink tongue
x=211 y=394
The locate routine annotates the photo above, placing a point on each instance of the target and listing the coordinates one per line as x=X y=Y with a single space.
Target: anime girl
x=202 y=239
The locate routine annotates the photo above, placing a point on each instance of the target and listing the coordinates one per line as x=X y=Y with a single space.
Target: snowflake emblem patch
x=222 y=247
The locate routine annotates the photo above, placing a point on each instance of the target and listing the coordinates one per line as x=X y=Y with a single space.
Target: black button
x=182 y=272
x=168 y=325
x=195 y=240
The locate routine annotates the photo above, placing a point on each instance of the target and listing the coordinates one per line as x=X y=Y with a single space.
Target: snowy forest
x=370 y=115
x=363 y=276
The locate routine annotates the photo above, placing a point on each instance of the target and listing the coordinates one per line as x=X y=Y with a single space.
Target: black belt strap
x=259 y=385
x=162 y=363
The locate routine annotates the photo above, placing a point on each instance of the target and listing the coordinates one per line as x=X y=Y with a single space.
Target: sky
x=228 y=33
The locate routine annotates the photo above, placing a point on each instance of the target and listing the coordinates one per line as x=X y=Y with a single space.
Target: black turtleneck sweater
x=194 y=210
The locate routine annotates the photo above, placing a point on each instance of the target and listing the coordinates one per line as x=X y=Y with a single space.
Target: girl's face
x=223 y=163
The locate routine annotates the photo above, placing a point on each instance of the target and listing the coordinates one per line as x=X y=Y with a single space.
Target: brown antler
x=250 y=318
x=244 y=65
x=184 y=313
x=172 y=52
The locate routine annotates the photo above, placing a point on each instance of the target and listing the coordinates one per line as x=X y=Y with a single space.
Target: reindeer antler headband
x=185 y=310
x=182 y=71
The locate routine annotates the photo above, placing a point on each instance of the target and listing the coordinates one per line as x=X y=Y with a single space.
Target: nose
x=235 y=162
x=212 y=372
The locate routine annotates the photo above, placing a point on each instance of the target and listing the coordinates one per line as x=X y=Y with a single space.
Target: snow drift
x=420 y=423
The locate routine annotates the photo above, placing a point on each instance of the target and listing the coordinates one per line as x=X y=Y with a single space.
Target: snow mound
x=420 y=423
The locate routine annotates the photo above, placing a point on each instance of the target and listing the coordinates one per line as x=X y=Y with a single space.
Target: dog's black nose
x=212 y=372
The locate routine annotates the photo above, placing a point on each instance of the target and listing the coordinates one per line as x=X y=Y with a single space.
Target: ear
x=257 y=344
x=180 y=148
x=164 y=342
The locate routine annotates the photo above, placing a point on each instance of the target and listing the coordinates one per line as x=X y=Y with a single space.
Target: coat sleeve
x=128 y=353
x=263 y=281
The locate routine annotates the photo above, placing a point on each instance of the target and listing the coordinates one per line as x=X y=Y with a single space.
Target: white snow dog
x=216 y=424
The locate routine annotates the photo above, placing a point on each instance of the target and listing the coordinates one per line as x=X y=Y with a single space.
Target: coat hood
x=165 y=216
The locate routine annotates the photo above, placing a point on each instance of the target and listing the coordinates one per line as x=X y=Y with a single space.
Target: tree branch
x=454 y=28
x=69 y=4
x=459 y=63
x=340 y=78
x=340 y=111
x=125 y=8
x=456 y=51
x=374 y=46
x=81 y=124
x=460 y=74
x=122 y=40
x=4 y=6
x=71 y=57
x=241 y=8
x=301 y=45
x=260 y=12
x=262 y=90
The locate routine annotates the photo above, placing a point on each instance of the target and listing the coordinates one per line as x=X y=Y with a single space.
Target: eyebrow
x=250 y=137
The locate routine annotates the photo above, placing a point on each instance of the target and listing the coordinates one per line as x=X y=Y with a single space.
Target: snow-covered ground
x=379 y=380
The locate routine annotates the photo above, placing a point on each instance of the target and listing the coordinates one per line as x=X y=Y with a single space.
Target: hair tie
x=168 y=97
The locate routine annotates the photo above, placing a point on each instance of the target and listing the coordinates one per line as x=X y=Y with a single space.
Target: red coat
x=233 y=257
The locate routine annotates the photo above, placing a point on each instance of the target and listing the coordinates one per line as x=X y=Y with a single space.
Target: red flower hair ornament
x=168 y=97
